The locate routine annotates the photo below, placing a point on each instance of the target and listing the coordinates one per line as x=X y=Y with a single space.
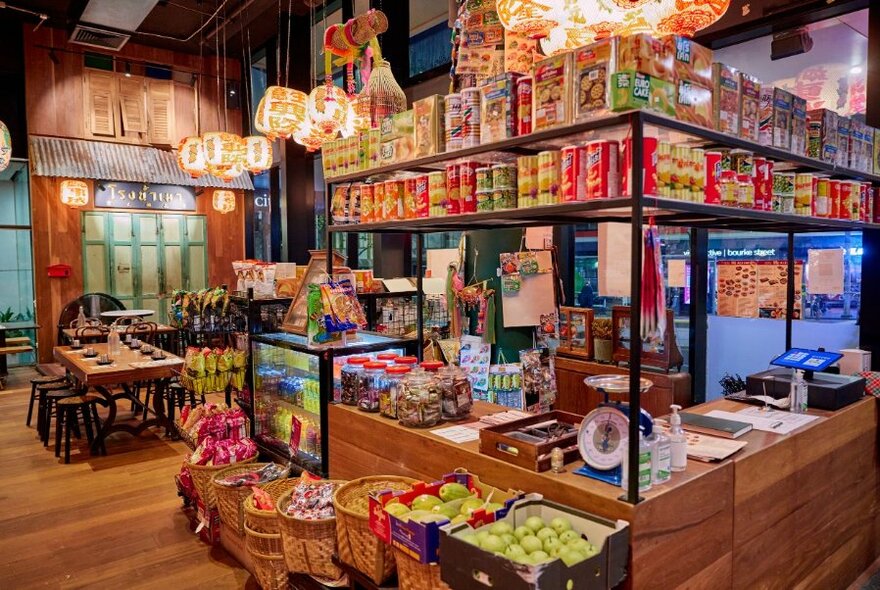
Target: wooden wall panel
x=57 y=237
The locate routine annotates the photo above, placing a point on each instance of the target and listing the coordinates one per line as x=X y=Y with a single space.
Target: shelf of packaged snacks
x=298 y=409
x=665 y=211
x=542 y=140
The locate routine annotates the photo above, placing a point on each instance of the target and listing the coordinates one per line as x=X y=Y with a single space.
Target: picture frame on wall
x=575 y=332
x=661 y=353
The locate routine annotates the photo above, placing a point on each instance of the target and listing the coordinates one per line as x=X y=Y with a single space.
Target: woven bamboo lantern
x=224 y=201
x=280 y=112
x=328 y=107
x=5 y=146
x=257 y=153
x=74 y=193
x=191 y=156
x=386 y=96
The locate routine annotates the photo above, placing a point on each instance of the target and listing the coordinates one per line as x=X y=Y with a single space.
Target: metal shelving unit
x=631 y=209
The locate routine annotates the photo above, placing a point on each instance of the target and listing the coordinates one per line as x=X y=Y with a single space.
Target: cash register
x=825 y=391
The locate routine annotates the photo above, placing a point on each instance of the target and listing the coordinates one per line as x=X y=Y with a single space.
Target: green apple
x=535 y=523
x=493 y=507
x=539 y=557
x=501 y=528
x=469 y=505
x=522 y=531
x=580 y=545
x=448 y=510
x=415 y=515
x=568 y=536
x=514 y=550
x=453 y=491
x=531 y=544
x=551 y=544
x=593 y=550
x=545 y=533
x=524 y=559
x=396 y=509
x=430 y=517
x=570 y=556
x=426 y=502
x=509 y=539
x=459 y=519
x=472 y=539
x=482 y=535
x=493 y=543
x=560 y=525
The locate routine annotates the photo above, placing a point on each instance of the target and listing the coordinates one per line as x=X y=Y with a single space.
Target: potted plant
x=602 y=347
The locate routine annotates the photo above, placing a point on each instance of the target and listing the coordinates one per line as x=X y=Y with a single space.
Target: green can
x=484 y=200
x=484 y=179
x=504 y=198
x=503 y=176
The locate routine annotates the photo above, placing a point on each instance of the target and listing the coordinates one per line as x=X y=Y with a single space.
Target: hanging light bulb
x=327 y=108
x=5 y=146
x=280 y=112
x=257 y=153
x=74 y=193
x=223 y=201
x=191 y=156
x=533 y=18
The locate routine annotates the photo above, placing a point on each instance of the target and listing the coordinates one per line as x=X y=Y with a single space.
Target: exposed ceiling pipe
x=228 y=20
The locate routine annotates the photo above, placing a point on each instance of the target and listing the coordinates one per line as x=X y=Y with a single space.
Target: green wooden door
x=140 y=258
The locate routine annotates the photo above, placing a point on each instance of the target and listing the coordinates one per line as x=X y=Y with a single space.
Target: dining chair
x=92 y=334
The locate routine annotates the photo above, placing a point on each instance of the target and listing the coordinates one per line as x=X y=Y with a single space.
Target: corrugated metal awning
x=98 y=160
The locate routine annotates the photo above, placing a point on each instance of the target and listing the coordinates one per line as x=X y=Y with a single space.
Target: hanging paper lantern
x=312 y=137
x=191 y=156
x=533 y=18
x=280 y=112
x=5 y=146
x=328 y=107
x=684 y=18
x=257 y=153
x=222 y=149
x=226 y=172
x=358 y=116
x=224 y=201
x=74 y=193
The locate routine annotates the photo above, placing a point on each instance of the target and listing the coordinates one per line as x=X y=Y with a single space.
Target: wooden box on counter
x=496 y=441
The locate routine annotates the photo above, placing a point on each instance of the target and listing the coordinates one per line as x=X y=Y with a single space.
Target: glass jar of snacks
x=351 y=376
x=387 y=357
x=418 y=400
x=431 y=366
x=409 y=361
x=374 y=382
x=456 y=393
x=394 y=376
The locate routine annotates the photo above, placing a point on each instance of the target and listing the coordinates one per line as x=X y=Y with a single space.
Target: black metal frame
x=632 y=209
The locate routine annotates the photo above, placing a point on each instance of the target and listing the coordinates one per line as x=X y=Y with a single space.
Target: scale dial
x=600 y=436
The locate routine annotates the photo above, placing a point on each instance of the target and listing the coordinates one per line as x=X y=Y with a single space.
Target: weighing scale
x=604 y=429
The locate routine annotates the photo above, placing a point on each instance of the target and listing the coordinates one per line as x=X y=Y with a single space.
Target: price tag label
x=295 y=435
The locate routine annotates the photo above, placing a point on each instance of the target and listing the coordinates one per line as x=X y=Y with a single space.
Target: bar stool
x=50 y=401
x=59 y=380
x=67 y=420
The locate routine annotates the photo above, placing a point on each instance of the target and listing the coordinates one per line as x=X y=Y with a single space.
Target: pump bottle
x=677 y=441
x=660 y=456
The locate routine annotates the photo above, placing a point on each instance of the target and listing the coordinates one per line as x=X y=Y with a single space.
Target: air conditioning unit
x=98 y=38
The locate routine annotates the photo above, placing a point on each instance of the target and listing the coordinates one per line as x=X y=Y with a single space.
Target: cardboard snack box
x=860 y=147
x=421 y=540
x=822 y=141
x=798 y=125
x=693 y=103
x=397 y=136
x=691 y=61
x=593 y=67
x=726 y=98
x=465 y=566
x=775 y=117
x=497 y=108
x=551 y=95
x=428 y=122
x=750 y=107
x=843 y=126
x=876 y=153
x=643 y=53
x=635 y=90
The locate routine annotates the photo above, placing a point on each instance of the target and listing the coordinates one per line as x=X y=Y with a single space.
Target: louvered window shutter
x=132 y=105
x=160 y=106
x=101 y=101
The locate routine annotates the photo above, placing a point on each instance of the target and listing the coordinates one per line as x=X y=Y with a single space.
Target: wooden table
x=164 y=335
x=123 y=372
x=787 y=511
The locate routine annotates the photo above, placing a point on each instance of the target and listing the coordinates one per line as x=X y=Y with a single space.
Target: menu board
x=756 y=289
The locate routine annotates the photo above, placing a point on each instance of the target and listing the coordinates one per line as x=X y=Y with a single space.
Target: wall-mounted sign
x=139 y=195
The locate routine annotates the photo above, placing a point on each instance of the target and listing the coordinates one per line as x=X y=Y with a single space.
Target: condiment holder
x=90 y=352
x=158 y=354
x=76 y=345
x=104 y=359
x=147 y=349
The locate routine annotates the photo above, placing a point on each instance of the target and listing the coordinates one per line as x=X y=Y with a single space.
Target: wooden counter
x=785 y=511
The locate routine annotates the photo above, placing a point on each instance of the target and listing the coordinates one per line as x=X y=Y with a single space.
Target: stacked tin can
x=452 y=116
x=504 y=186
x=470 y=117
x=548 y=177
x=436 y=194
x=527 y=181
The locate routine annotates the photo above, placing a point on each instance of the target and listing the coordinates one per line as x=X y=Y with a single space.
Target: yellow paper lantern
x=226 y=172
x=191 y=156
x=5 y=146
x=358 y=116
x=328 y=108
x=533 y=18
x=280 y=112
x=311 y=137
x=222 y=149
x=257 y=153
x=74 y=193
x=224 y=201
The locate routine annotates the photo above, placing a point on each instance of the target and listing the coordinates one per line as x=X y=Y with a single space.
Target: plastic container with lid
x=418 y=400
x=351 y=377
x=387 y=357
x=432 y=366
x=394 y=376
x=374 y=381
x=456 y=393
x=410 y=361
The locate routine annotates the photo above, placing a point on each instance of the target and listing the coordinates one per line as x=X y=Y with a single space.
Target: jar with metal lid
x=456 y=393
x=409 y=361
x=394 y=375
x=351 y=376
x=374 y=382
x=418 y=400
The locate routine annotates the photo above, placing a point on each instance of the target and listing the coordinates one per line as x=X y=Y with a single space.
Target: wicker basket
x=412 y=575
x=230 y=499
x=270 y=571
x=309 y=545
x=202 y=475
x=258 y=543
x=266 y=521
x=358 y=546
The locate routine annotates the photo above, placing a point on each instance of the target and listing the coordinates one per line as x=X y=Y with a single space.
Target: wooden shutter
x=101 y=103
x=160 y=109
x=132 y=105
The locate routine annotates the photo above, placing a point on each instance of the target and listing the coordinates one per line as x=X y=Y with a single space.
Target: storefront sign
x=136 y=195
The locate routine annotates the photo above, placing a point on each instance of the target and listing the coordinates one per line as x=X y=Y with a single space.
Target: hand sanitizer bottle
x=645 y=454
x=798 y=394
x=677 y=441
x=661 y=457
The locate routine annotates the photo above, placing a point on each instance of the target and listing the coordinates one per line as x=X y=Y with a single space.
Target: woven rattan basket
x=412 y=575
x=263 y=543
x=230 y=500
x=357 y=545
x=266 y=521
x=270 y=571
x=202 y=476
x=309 y=545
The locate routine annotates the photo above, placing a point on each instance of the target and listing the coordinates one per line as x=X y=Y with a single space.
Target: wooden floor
x=109 y=522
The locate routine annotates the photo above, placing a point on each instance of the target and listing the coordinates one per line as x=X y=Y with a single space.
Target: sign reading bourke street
x=139 y=195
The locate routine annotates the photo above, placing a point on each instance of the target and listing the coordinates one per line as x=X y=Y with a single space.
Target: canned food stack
x=470 y=117
x=549 y=163
x=453 y=189
x=527 y=181
x=467 y=174
x=436 y=194
x=504 y=186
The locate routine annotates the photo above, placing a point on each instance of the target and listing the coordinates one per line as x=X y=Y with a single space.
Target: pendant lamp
x=223 y=201
x=74 y=193
x=5 y=146
x=257 y=153
x=191 y=156
x=327 y=108
x=280 y=112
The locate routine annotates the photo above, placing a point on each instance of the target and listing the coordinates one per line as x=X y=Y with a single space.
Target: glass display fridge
x=292 y=384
